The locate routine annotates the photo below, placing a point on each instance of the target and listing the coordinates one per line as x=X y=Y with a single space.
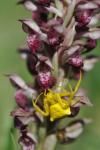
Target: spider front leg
x=75 y=90
x=70 y=87
x=44 y=113
x=66 y=92
x=78 y=84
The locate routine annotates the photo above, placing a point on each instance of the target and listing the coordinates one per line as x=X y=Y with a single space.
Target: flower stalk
x=60 y=36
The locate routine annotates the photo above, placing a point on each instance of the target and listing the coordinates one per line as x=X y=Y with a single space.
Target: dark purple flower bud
x=31 y=63
x=76 y=61
x=76 y=73
x=17 y=123
x=55 y=22
x=74 y=111
x=53 y=37
x=34 y=43
x=36 y=16
x=44 y=2
x=21 y=99
x=27 y=141
x=72 y=131
x=23 y=51
x=40 y=16
x=91 y=44
x=45 y=80
x=23 y=117
x=83 y=17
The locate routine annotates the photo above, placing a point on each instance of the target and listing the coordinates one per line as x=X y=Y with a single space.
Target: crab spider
x=54 y=104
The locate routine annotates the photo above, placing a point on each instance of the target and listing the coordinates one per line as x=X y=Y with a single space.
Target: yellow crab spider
x=54 y=104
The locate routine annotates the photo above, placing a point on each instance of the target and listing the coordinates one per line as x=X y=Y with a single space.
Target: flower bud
x=74 y=111
x=83 y=17
x=18 y=123
x=34 y=43
x=45 y=80
x=27 y=141
x=72 y=131
x=76 y=61
x=53 y=37
x=21 y=99
x=31 y=63
x=91 y=44
x=36 y=16
x=44 y=2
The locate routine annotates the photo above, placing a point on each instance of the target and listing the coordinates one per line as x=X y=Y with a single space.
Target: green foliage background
x=12 y=36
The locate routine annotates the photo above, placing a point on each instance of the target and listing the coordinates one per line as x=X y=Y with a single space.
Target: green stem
x=41 y=137
x=50 y=142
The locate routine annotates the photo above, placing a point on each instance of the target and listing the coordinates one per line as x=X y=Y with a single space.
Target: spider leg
x=64 y=93
x=50 y=91
x=76 y=100
x=70 y=98
x=59 y=100
x=37 y=98
x=40 y=110
x=78 y=84
x=70 y=87
x=45 y=93
x=76 y=89
x=37 y=107
x=46 y=106
x=67 y=93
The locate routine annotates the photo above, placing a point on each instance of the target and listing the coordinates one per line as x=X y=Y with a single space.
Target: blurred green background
x=11 y=37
